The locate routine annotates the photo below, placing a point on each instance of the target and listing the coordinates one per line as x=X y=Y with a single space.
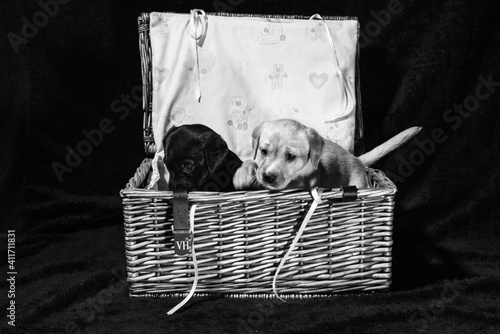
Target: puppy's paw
x=244 y=178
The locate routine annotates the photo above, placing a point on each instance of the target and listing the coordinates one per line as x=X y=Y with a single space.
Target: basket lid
x=147 y=78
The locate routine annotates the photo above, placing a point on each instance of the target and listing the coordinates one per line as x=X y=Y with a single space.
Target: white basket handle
x=316 y=194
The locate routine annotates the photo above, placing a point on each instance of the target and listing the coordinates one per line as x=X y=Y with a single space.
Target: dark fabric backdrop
x=430 y=63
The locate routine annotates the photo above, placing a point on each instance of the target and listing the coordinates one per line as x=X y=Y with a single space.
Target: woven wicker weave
x=241 y=237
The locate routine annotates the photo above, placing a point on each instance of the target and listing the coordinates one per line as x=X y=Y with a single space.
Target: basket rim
x=385 y=188
x=264 y=16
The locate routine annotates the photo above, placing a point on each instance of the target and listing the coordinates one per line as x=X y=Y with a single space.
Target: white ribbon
x=316 y=194
x=348 y=94
x=195 y=263
x=198 y=20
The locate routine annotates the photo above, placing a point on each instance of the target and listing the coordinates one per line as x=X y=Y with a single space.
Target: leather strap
x=350 y=193
x=181 y=222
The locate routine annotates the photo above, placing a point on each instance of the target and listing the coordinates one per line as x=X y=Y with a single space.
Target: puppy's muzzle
x=269 y=178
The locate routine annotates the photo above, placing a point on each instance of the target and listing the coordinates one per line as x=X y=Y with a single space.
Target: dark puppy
x=198 y=159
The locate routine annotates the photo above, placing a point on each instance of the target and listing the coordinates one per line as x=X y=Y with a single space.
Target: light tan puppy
x=287 y=154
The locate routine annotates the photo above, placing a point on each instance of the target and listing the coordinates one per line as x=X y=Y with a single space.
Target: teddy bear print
x=273 y=33
x=206 y=61
x=277 y=76
x=342 y=135
x=179 y=117
x=240 y=113
x=159 y=24
x=318 y=31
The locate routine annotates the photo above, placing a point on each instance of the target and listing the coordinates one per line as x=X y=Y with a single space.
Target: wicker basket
x=256 y=243
x=241 y=237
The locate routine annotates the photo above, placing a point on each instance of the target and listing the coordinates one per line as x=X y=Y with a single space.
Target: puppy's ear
x=167 y=139
x=316 y=144
x=215 y=151
x=255 y=140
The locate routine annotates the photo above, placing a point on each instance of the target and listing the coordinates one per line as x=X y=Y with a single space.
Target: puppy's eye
x=263 y=152
x=290 y=157
x=187 y=168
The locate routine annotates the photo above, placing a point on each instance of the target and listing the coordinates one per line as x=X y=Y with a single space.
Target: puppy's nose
x=269 y=178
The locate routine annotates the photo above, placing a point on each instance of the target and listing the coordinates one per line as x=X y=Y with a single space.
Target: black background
x=82 y=63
